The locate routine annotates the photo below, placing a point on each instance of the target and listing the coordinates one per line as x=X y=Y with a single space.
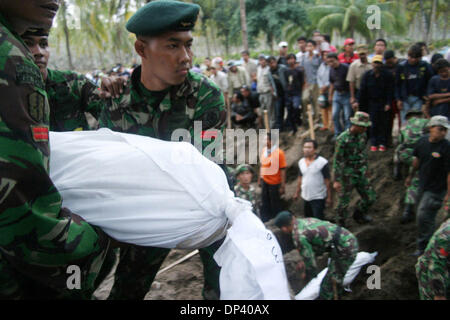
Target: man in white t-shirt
x=313 y=181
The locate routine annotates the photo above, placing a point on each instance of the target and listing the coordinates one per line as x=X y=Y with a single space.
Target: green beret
x=157 y=17
x=36 y=33
x=283 y=219
x=242 y=168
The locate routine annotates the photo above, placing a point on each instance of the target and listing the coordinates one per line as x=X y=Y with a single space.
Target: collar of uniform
x=185 y=89
x=8 y=26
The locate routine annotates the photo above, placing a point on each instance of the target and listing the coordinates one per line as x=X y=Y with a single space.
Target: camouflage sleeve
x=34 y=235
x=307 y=253
x=210 y=110
x=90 y=99
x=339 y=160
x=439 y=255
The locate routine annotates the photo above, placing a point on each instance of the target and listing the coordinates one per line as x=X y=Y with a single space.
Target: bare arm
x=283 y=180
x=299 y=188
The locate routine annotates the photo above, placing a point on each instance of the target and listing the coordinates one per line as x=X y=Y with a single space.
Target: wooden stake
x=193 y=253
x=311 y=123
x=266 y=120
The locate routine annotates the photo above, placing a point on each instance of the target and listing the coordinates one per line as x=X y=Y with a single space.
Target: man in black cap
x=163 y=95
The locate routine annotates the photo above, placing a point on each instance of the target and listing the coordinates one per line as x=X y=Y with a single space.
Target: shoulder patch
x=36 y=106
x=27 y=74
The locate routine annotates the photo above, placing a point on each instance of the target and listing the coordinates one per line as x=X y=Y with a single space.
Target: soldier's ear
x=139 y=46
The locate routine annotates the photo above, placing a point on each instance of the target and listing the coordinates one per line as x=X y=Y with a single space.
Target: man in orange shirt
x=272 y=178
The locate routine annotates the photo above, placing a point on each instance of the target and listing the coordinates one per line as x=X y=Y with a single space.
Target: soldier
x=313 y=237
x=162 y=96
x=39 y=240
x=413 y=131
x=244 y=189
x=351 y=170
x=432 y=267
x=70 y=94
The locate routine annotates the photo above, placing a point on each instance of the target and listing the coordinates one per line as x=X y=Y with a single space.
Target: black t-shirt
x=252 y=100
x=294 y=81
x=434 y=164
x=437 y=85
x=338 y=77
x=277 y=80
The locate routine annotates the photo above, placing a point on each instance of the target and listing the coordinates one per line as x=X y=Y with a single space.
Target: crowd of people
x=349 y=93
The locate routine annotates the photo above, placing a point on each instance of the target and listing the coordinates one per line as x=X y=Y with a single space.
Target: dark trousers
x=379 y=119
x=293 y=105
x=429 y=205
x=279 y=112
x=314 y=208
x=271 y=202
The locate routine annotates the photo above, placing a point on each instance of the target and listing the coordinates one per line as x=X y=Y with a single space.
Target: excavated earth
x=393 y=241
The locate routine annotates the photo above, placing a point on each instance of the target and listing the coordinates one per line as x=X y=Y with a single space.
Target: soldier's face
x=38 y=46
x=245 y=177
x=32 y=13
x=168 y=57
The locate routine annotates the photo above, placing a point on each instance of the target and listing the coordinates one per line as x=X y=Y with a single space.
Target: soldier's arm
x=90 y=97
x=307 y=253
x=437 y=268
x=210 y=111
x=34 y=229
x=338 y=161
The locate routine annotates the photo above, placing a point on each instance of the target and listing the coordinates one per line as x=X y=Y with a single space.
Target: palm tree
x=350 y=16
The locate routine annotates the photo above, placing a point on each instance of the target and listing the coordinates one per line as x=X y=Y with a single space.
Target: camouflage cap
x=362 y=48
x=283 y=219
x=361 y=119
x=242 y=168
x=157 y=17
x=438 y=121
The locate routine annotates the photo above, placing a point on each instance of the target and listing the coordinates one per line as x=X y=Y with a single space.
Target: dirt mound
x=392 y=240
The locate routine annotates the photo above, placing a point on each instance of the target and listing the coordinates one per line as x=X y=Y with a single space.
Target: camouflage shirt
x=159 y=114
x=313 y=237
x=249 y=195
x=70 y=95
x=435 y=262
x=350 y=156
x=408 y=137
x=37 y=237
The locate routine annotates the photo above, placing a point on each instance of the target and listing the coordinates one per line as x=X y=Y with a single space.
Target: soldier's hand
x=387 y=107
x=337 y=186
x=440 y=298
x=112 y=87
x=408 y=182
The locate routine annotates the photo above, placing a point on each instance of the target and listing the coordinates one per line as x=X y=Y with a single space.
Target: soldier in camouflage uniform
x=162 y=96
x=313 y=237
x=244 y=189
x=433 y=267
x=70 y=94
x=412 y=132
x=38 y=238
x=351 y=170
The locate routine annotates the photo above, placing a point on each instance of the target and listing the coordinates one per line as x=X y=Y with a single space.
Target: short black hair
x=239 y=96
x=388 y=54
x=271 y=58
x=415 y=51
x=441 y=64
x=421 y=44
x=290 y=56
x=332 y=55
x=436 y=57
x=301 y=39
x=382 y=40
x=312 y=42
x=246 y=52
x=314 y=142
x=327 y=38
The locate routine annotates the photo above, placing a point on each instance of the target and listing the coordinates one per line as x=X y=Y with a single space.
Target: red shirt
x=343 y=59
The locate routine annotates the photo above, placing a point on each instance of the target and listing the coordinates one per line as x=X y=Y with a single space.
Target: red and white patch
x=209 y=134
x=40 y=133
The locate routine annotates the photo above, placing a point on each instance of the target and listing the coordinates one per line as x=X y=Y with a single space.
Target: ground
x=392 y=240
